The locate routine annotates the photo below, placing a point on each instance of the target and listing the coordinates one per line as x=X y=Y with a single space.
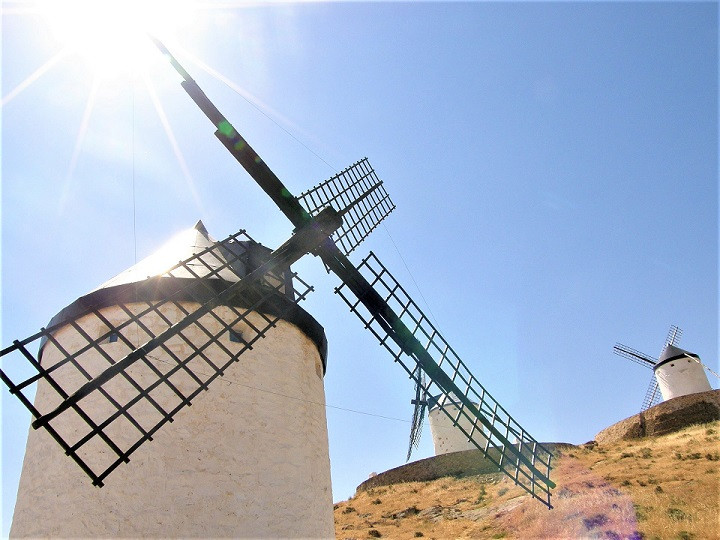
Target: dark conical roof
x=670 y=353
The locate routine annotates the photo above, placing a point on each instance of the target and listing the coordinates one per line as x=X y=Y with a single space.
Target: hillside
x=664 y=487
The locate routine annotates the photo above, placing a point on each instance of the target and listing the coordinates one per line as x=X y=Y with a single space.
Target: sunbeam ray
x=173 y=142
x=284 y=123
x=84 y=123
x=34 y=76
x=251 y=98
x=236 y=4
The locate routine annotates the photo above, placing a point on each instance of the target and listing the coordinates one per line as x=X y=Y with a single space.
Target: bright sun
x=112 y=35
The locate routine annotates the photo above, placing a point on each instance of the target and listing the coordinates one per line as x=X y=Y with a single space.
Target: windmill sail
x=652 y=395
x=380 y=302
x=674 y=335
x=102 y=406
x=413 y=341
x=359 y=195
x=420 y=406
x=634 y=355
x=523 y=458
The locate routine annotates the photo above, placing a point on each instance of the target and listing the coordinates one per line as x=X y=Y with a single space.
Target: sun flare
x=112 y=35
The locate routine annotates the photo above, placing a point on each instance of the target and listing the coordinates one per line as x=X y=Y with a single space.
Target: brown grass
x=656 y=488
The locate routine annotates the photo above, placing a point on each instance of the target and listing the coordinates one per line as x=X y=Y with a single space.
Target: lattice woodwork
x=359 y=195
x=470 y=406
x=170 y=350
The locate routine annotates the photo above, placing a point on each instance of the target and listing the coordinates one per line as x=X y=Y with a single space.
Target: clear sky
x=554 y=167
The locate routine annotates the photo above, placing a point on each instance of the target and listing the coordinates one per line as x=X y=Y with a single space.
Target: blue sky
x=554 y=167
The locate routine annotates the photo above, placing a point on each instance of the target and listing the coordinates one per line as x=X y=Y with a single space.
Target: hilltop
x=664 y=487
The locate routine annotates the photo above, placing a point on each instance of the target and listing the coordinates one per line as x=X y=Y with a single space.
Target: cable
x=134 y=198
x=228 y=380
x=232 y=86
x=412 y=277
x=231 y=381
x=703 y=365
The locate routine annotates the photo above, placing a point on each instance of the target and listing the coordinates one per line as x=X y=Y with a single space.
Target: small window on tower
x=236 y=336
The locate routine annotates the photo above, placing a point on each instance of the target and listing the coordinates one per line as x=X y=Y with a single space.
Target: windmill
x=446 y=436
x=675 y=373
x=330 y=221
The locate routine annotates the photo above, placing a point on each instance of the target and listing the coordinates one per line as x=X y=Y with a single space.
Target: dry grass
x=656 y=488
x=445 y=508
x=674 y=480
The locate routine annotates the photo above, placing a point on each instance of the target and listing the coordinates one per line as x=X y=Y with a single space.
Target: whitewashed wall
x=448 y=438
x=681 y=377
x=242 y=461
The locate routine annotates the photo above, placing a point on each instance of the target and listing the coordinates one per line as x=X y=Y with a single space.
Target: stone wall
x=465 y=463
x=666 y=417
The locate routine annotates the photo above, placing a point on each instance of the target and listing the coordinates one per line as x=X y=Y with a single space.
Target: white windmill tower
x=446 y=436
x=676 y=373
x=243 y=461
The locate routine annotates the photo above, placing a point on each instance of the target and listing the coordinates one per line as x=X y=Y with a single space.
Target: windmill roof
x=182 y=246
x=196 y=281
x=670 y=353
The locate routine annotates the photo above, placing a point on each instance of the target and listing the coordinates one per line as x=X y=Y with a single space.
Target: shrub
x=482 y=495
x=597 y=520
x=502 y=491
x=645 y=453
x=641 y=512
x=676 y=514
x=349 y=510
x=376 y=501
x=374 y=533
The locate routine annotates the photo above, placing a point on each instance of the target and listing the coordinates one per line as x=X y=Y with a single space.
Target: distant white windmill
x=446 y=437
x=677 y=371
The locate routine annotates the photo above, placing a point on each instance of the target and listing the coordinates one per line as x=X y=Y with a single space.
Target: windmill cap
x=671 y=353
x=182 y=246
x=197 y=281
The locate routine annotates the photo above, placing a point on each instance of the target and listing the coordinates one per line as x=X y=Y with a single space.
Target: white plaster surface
x=448 y=438
x=244 y=461
x=681 y=377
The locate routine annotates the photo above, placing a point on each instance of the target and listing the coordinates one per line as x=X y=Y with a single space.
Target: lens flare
x=112 y=35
